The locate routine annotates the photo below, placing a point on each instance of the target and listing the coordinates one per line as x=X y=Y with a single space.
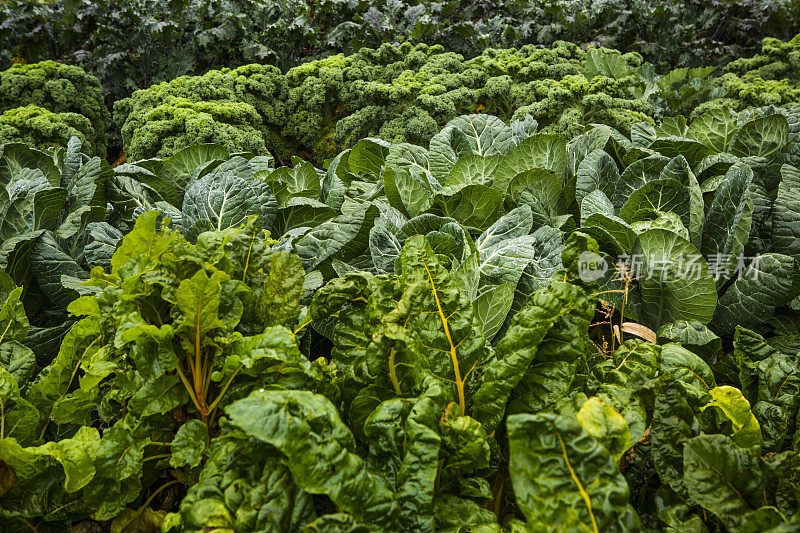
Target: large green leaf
x=723 y=478
x=268 y=498
x=481 y=135
x=785 y=230
x=221 y=200
x=564 y=478
x=769 y=281
x=597 y=171
x=307 y=429
x=472 y=205
x=179 y=168
x=635 y=176
x=526 y=354
x=728 y=222
x=761 y=137
x=675 y=281
x=538 y=151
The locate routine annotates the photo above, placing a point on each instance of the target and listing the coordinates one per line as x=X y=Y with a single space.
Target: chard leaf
x=564 y=478
x=189 y=444
x=287 y=420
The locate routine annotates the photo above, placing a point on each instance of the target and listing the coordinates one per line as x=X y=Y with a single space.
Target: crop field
x=399 y=266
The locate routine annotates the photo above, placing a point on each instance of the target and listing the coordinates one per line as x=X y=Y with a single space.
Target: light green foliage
x=245 y=486
x=564 y=477
x=239 y=108
x=61 y=89
x=179 y=123
x=170 y=333
x=44 y=130
x=402 y=94
x=415 y=337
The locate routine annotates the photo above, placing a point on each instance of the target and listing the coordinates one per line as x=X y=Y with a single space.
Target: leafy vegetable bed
x=504 y=330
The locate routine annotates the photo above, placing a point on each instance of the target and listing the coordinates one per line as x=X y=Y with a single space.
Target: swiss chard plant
x=171 y=333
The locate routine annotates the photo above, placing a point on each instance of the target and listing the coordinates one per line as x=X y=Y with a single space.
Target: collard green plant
x=53 y=228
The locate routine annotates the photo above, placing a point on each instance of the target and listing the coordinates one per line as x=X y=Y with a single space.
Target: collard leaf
x=693 y=335
x=334 y=235
x=676 y=284
x=767 y=282
x=597 y=171
x=407 y=192
x=367 y=157
x=635 y=176
x=761 y=137
x=785 y=229
x=714 y=129
x=182 y=165
x=728 y=222
x=538 y=151
x=474 y=206
x=223 y=200
x=481 y=134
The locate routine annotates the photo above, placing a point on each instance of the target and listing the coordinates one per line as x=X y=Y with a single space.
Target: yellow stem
x=462 y=402
x=158 y=490
x=581 y=490
x=304 y=324
x=393 y=372
x=156 y=457
x=198 y=383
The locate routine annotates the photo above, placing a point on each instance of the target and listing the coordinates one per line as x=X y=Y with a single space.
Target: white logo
x=591 y=266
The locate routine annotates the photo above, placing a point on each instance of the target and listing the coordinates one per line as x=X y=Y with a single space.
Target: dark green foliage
x=132 y=45
x=434 y=330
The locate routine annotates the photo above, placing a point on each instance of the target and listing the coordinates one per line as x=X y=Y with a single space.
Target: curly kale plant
x=44 y=130
x=60 y=89
x=239 y=108
x=769 y=78
x=399 y=94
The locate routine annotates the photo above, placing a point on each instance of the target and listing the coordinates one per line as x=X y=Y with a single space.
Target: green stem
x=71 y=378
x=158 y=490
x=189 y=389
x=155 y=457
x=222 y=392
